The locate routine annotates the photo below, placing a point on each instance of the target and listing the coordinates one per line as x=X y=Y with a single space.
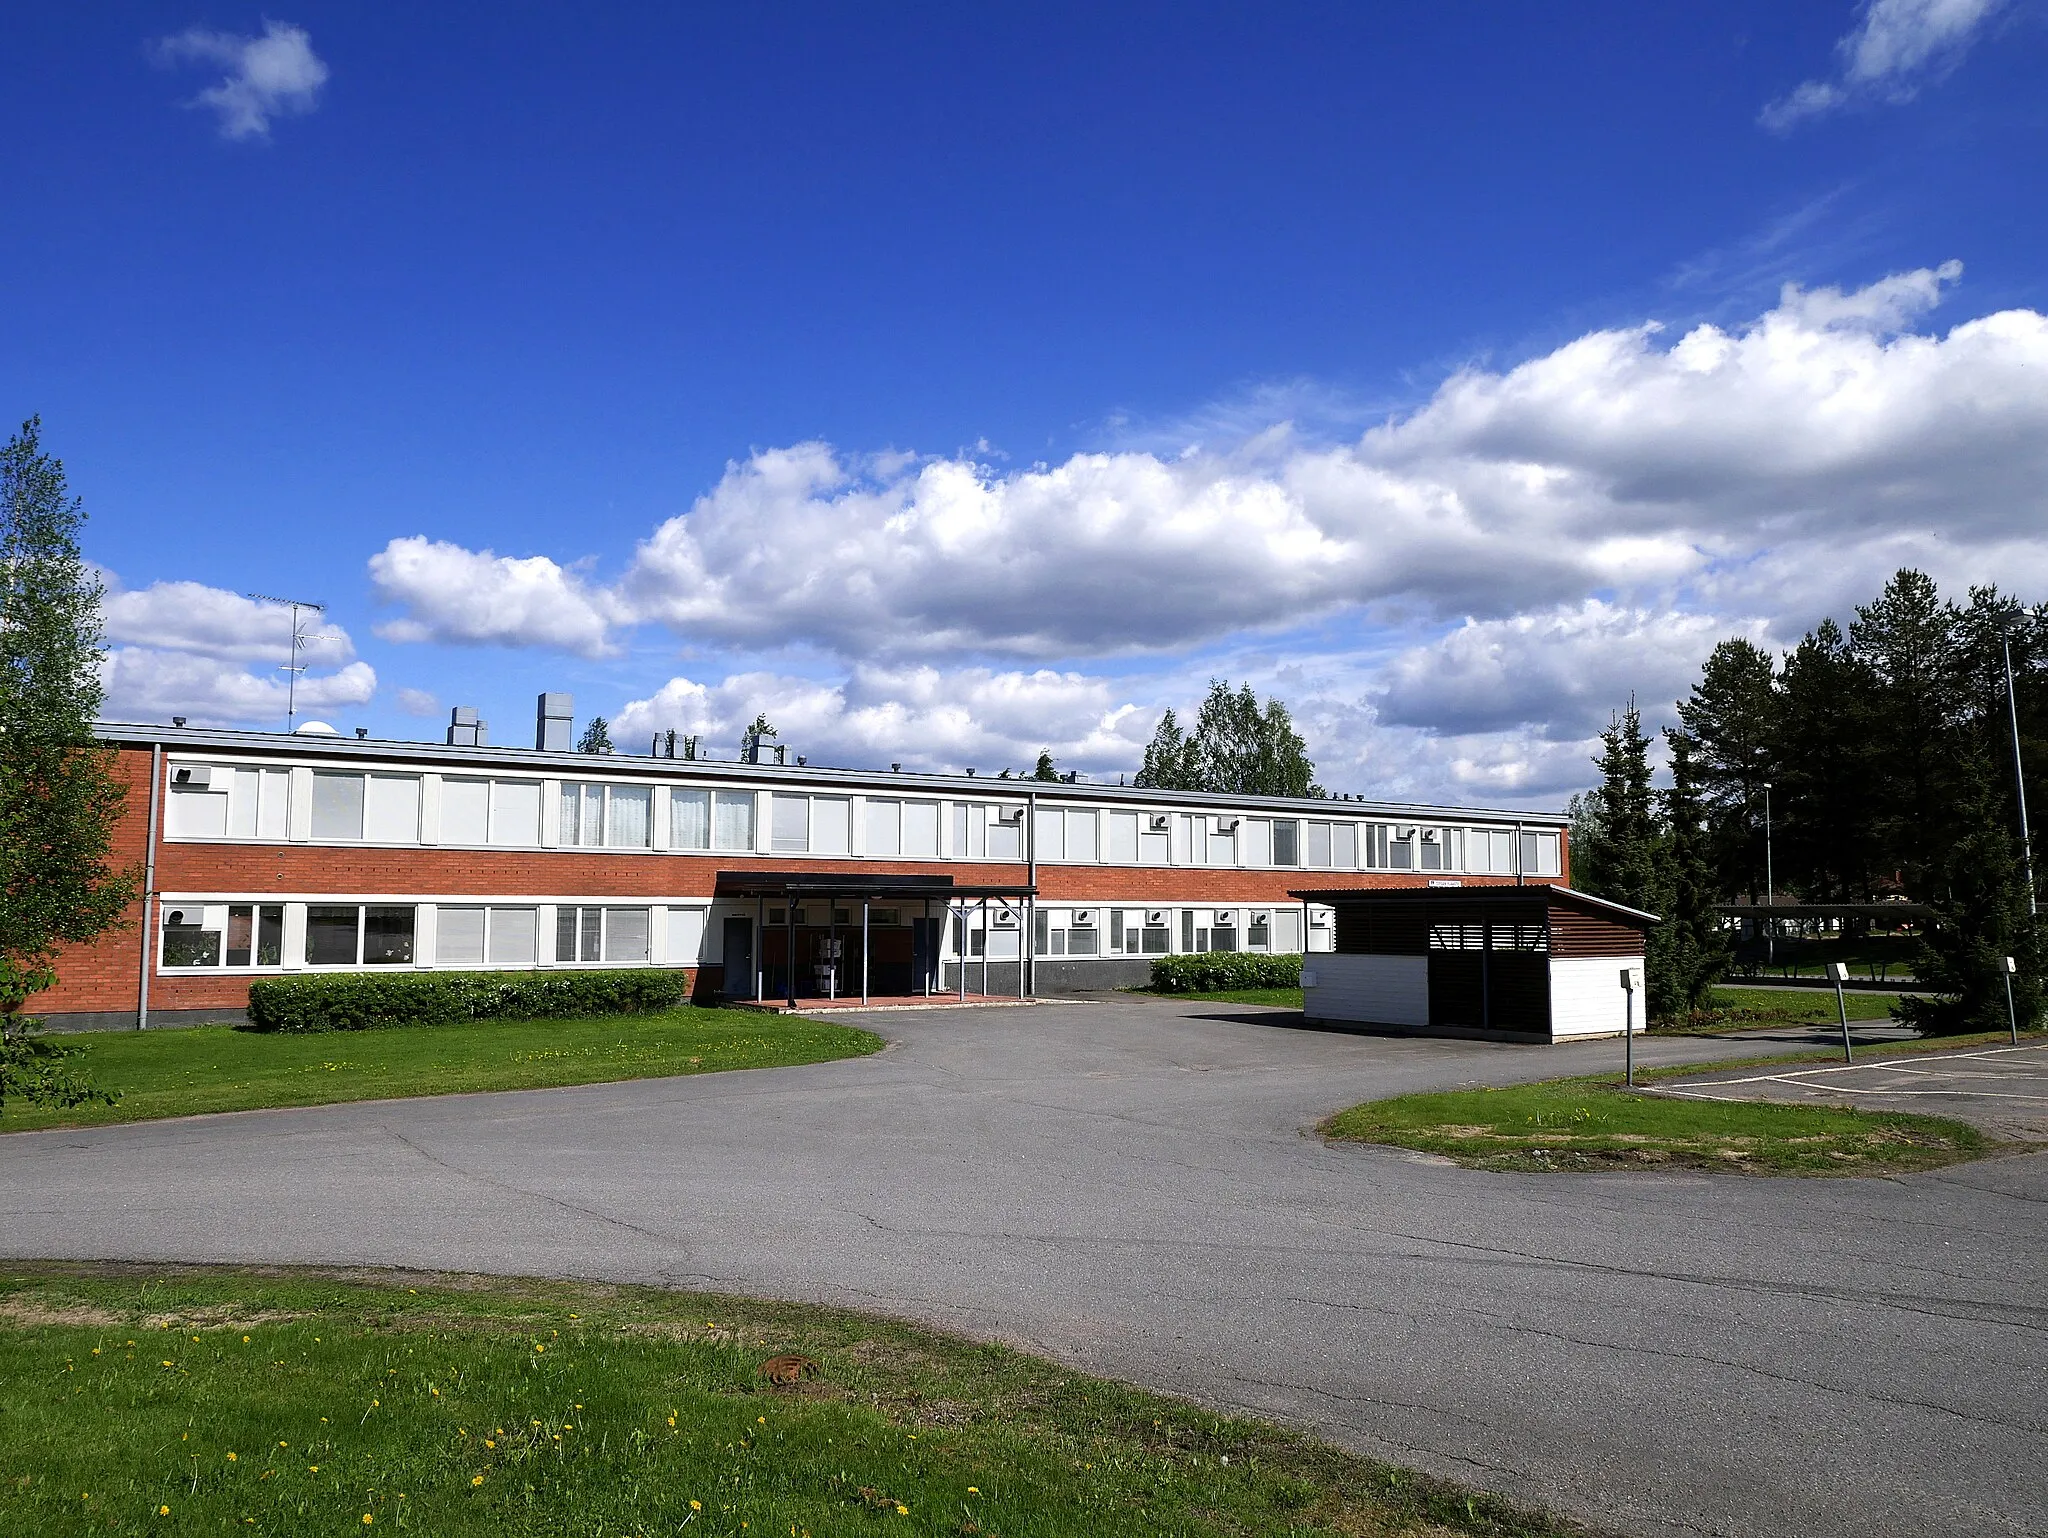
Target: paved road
x=1128 y=1186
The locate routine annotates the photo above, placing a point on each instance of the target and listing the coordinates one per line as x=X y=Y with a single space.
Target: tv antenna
x=300 y=641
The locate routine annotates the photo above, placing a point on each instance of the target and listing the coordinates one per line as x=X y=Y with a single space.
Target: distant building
x=318 y=852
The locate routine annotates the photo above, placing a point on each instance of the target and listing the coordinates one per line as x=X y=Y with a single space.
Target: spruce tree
x=59 y=800
x=1907 y=638
x=597 y=736
x=1623 y=860
x=1732 y=717
x=1693 y=951
x=1046 y=769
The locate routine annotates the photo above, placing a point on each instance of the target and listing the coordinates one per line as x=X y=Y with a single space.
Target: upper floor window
x=706 y=819
x=490 y=811
x=606 y=816
x=380 y=808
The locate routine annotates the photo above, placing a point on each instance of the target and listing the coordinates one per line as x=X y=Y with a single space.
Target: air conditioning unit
x=1405 y=832
x=1006 y=918
x=1157 y=918
x=1084 y=918
x=1226 y=918
x=1227 y=824
x=1429 y=835
x=1010 y=814
x=192 y=776
x=1159 y=822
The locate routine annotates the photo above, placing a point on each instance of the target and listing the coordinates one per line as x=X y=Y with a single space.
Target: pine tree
x=1907 y=638
x=1980 y=918
x=59 y=800
x=1691 y=948
x=1731 y=716
x=1825 y=819
x=1046 y=769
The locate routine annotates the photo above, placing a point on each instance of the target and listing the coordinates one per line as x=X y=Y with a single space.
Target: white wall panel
x=1586 y=997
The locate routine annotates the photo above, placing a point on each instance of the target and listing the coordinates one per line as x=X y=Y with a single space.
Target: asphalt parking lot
x=2001 y=1090
x=1134 y=1187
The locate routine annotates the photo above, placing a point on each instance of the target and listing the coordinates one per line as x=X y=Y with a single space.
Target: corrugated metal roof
x=1536 y=892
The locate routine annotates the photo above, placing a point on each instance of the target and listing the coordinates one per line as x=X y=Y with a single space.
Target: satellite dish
x=315 y=729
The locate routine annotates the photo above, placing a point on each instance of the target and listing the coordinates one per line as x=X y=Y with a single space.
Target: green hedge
x=1224 y=972
x=366 y=1001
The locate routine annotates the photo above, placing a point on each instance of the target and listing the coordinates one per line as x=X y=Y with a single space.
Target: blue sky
x=952 y=385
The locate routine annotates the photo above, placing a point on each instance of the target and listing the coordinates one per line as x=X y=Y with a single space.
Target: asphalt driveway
x=2002 y=1090
x=1129 y=1186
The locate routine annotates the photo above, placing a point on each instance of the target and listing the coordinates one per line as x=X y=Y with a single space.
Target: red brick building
x=267 y=854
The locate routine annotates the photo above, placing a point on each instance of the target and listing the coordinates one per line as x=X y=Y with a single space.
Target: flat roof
x=1534 y=894
x=374 y=750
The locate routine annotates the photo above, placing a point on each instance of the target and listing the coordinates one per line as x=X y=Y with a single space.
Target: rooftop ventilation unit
x=465 y=730
x=554 y=723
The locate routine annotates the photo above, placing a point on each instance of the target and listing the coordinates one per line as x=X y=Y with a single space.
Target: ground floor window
x=349 y=935
x=616 y=935
x=223 y=935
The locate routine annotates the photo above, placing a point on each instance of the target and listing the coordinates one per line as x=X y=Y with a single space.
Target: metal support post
x=1630 y=980
x=2011 y=1015
x=965 y=942
x=864 y=948
x=986 y=935
x=760 y=950
x=1838 y=974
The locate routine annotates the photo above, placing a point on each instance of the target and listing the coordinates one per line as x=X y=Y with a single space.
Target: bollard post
x=1838 y=974
x=2012 y=1018
x=1631 y=985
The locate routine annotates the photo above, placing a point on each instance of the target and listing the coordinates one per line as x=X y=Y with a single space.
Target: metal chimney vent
x=554 y=721
x=466 y=730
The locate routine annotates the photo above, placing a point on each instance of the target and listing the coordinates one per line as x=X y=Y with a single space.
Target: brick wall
x=103 y=976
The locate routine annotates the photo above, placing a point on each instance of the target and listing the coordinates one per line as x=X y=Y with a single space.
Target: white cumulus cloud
x=476 y=596
x=1895 y=47
x=1625 y=464
x=217 y=658
x=275 y=75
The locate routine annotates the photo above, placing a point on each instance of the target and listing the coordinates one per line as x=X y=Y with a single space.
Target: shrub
x=1224 y=972
x=366 y=1001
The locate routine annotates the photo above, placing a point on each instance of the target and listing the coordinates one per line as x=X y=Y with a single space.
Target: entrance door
x=739 y=957
x=925 y=935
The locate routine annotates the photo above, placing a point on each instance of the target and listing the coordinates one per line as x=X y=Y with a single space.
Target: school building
x=267 y=853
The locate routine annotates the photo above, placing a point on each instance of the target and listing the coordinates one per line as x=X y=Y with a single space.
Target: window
x=1184 y=847
x=1051 y=830
x=1432 y=850
x=1156 y=939
x=789 y=824
x=1286 y=842
x=1259 y=933
x=970 y=831
x=459 y=936
x=1116 y=931
x=1287 y=930
x=337 y=805
x=1083 y=939
x=514 y=937
x=1120 y=838
x=1222 y=841
x=196 y=813
x=255 y=935
x=1318 y=853
x=1006 y=833
x=831 y=820
x=689 y=819
x=515 y=812
x=1081 y=836
x=187 y=942
x=391 y=809
x=615 y=935
x=605 y=816
x=1255 y=841
x=258 y=803
x=921 y=829
x=1153 y=842
x=1344 y=845
x=732 y=820
x=338 y=936
x=465 y=811
x=882 y=827
x=1223 y=937
x=1541 y=854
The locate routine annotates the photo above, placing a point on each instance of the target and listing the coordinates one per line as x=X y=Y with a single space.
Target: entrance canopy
x=902 y=957
x=811 y=883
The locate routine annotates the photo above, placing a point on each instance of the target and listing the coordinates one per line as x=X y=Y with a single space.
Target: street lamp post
x=1770 y=887
x=2019 y=775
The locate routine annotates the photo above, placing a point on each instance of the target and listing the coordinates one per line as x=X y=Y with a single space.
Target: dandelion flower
x=973 y=1490
x=489 y=1443
x=902 y=1510
x=760 y=1420
x=696 y=1505
x=163 y=1511
x=539 y=1347
x=479 y=1479
x=231 y=1458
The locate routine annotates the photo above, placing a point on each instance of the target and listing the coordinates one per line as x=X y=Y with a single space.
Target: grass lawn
x=1736 y=1008
x=1593 y=1124
x=219 y=1068
x=1279 y=998
x=180 y=1400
